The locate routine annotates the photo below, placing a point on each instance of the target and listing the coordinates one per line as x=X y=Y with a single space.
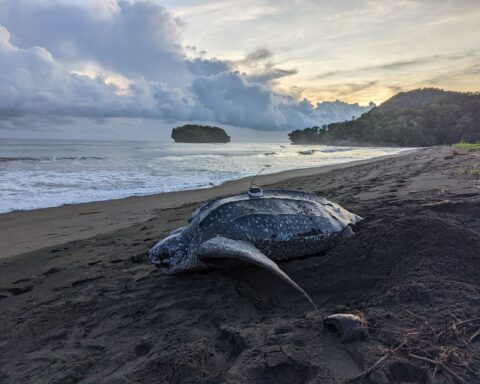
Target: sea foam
x=38 y=174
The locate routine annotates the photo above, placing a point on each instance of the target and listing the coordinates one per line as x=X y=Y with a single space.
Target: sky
x=133 y=69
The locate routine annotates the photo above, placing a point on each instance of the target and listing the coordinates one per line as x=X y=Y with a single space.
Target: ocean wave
x=45 y=175
x=328 y=150
x=199 y=156
x=332 y=150
x=46 y=158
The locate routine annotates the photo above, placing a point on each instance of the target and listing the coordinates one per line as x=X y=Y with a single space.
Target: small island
x=192 y=133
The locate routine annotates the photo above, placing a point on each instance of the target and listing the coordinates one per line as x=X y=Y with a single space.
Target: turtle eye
x=164 y=263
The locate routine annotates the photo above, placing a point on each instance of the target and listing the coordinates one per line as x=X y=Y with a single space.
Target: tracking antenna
x=254 y=177
x=254 y=191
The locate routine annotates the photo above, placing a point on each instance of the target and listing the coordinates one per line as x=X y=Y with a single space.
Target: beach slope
x=92 y=310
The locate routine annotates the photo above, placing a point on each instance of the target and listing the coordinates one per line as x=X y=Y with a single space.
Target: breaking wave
x=39 y=174
x=45 y=158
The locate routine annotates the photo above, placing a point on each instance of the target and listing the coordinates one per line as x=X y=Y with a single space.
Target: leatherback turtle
x=278 y=225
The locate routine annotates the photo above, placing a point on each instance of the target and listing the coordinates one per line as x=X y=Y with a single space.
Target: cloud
x=329 y=74
x=33 y=82
x=232 y=99
x=206 y=67
x=119 y=59
x=400 y=65
x=470 y=71
x=139 y=39
x=268 y=76
x=259 y=55
x=350 y=88
x=344 y=89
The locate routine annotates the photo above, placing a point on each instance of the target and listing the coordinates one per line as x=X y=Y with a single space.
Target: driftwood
x=448 y=349
x=369 y=370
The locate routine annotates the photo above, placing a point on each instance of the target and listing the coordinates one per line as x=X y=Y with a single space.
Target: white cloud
x=139 y=39
x=325 y=36
x=232 y=99
x=119 y=59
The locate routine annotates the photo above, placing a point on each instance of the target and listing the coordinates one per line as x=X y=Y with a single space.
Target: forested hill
x=192 y=133
x=422 y=117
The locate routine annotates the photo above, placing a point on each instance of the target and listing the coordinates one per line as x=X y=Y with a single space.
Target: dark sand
x=94 y=311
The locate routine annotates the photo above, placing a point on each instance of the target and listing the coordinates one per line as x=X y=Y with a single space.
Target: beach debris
x=88 y=213
x=445 y=350
x=278 y=225
x=348 y=326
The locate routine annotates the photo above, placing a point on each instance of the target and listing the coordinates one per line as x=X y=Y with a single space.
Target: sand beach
x=81 y=304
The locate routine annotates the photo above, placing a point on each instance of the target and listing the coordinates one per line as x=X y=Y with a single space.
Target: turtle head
x=172 y=254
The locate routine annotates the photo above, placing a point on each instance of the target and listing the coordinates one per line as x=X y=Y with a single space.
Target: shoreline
x=95 y=310
x=29 y=230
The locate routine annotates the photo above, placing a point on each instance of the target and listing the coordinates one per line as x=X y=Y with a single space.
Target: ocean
x=47 y=173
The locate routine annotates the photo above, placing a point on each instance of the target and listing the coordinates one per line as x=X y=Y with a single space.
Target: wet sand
x=25 y=231
x=85 y=306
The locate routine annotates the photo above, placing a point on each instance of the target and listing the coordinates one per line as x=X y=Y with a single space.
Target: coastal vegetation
x=473 y=171
x=192 y=133
x=423 y=117
x=467 y=146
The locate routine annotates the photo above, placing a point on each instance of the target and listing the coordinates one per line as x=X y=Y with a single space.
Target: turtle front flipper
x=222 y=247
